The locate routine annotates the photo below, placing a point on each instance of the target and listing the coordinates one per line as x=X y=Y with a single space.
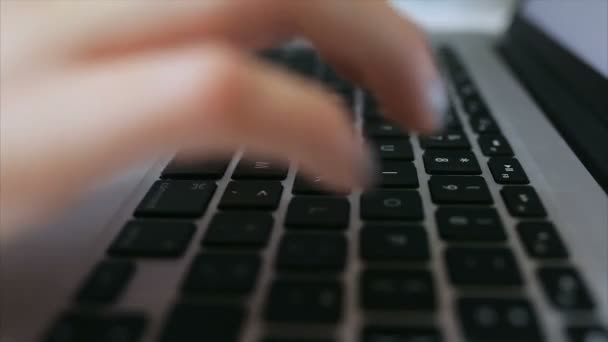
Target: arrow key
x=252 y=195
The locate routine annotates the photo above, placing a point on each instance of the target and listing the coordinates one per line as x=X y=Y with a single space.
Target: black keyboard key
x=494 y=145
x=398 y=174
x=587 y=333
x=522 y=201
x=304 y=302
x=467 y=90
x=449 y=57
x=565 y=289
x=264 y=195
x=507 y=171
x=369 y=100
x=469 y=224
x=451 y=163
x=317 y=212
x=79 y=327
x=176 y=198
x=446 y=140
x=243 y=229
x=182 y=167
x=312 y=252
x=276 y=56
x=459 y=189
x=203 y=322
x=397 y=290
x=459 y=76
x=401 y=334
x=483 y=124
x=383 y=129
x=373 y=115
x=335 y=81
x=475 y=106
x=304 y=185
x=153 y=238
x=257 y=168
x=384 y=242
x=482 y=266
x=498 y=320
x=304 y=62
x=108 y=279
x=391 y=205
x=541 y=240
x=372 y=109
x=213 y=272
x=311 y=185
x=451 y=121
x=393 y=149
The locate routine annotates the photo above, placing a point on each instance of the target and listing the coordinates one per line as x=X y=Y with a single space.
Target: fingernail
x=438 y=102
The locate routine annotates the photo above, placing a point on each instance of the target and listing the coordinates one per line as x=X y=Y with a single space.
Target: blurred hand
x=91 y=87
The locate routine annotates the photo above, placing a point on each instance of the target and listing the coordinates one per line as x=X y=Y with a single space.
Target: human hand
x=88 y=88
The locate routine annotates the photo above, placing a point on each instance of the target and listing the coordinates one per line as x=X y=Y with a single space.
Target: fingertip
x=428 y=110
x=438 y=105
x=367 y=166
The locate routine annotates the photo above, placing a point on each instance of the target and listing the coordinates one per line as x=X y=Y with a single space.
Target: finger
x=106 y=117
x=382 y=49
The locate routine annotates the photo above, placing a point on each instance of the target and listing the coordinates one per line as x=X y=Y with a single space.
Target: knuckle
x=220 y=91
x=225 y=79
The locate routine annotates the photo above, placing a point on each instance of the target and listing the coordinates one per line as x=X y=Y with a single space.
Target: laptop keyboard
x=393 y=246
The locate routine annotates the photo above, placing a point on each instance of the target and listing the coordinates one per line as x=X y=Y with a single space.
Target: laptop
x=494 y=230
